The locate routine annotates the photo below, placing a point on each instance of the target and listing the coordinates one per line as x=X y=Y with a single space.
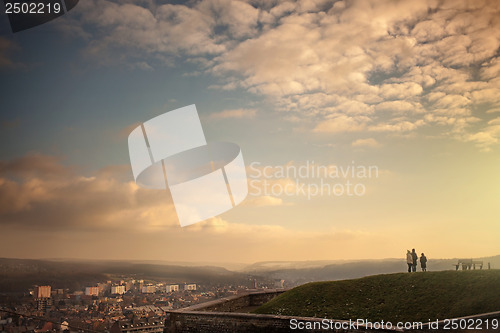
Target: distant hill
x=394 y=297
x=18 y=275
x=300 y=272
x=263 y=266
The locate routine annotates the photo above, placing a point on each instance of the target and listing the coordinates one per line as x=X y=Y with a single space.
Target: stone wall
x=221 y=316
x=234 y=303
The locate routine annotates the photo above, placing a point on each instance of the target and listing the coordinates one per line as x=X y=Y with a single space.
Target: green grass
x=395 y=297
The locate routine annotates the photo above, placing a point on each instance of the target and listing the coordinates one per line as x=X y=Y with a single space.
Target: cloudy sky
x=410 y=87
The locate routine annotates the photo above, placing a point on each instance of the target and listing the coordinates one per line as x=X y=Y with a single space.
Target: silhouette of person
x=423 y=262
x=409 y=260
x=414 y=257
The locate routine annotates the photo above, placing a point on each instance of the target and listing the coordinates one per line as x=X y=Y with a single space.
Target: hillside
x=394 y=297
x=18 y=275
x=311 y=271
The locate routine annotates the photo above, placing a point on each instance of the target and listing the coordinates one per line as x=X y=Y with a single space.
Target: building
x=92 y=291
x=129 y=285
x=279 y=283
x=42 y=292
x=43 y=304
x=120 y=290
x=104 y=287
x=191 y=286
x=64 y=326
x=148 y=289
x=171 y=288
x=144 y=325
x=42 y=297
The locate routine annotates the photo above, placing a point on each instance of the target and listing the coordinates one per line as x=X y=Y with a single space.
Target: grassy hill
x=395 y=297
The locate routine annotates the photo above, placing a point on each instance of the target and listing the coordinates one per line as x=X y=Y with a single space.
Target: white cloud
x=398 y=107
x=342 y=123
x=369 y=142
x=400 y=90
x=237 y=17
x=350 y=66
x=487 y=136
x=490 y=69
x=482 y=140
x=396 y=126
x=234 y=113
x=262 y=201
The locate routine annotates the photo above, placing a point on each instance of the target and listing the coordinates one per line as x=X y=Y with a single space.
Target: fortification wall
x=220 y=322
x=237 y=302
x=221 y=316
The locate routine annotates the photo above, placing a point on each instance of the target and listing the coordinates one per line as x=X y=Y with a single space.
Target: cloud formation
x=234 y=113
x=347 y=66
x=6 y=48
x=36 y=188
x=369 y=142
x=103 y=214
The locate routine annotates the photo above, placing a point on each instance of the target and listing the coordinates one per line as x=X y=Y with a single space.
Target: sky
x=408 y=88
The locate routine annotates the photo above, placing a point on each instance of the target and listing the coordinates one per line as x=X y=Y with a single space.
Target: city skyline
x=409 y=88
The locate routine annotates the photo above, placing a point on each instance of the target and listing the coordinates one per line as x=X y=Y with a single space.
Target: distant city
x=121 y=296
x=125 y=305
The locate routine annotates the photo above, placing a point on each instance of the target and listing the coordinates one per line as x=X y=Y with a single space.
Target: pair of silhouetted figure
x=411 y=260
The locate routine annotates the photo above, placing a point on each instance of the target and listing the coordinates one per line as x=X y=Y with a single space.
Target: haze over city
x=408 y=88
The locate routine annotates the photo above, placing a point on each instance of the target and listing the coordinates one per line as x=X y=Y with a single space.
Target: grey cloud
x=37 y=188
x=6 y=48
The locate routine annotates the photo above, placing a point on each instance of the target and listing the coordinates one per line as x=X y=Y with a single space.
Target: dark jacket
x=415 y=257
x=423 y=261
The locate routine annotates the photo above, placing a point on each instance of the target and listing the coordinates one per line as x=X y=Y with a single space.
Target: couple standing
x=411 y=260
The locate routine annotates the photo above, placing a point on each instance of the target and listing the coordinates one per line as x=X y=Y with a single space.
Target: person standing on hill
x=423 y=262
x=409 y=260
x=414 y=257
